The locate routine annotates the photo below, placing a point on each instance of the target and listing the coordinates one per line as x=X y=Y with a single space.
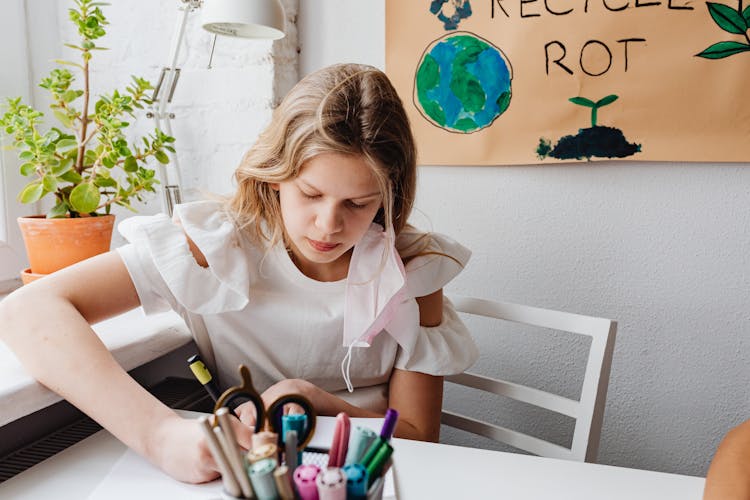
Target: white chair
x=588 y=411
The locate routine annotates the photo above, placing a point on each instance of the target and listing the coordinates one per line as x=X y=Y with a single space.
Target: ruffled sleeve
x=166 y=273
x=445 y=349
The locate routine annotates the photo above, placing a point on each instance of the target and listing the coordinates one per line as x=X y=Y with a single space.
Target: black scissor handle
x=244 y=392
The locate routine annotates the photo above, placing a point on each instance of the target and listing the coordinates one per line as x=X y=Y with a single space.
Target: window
x=14 y=81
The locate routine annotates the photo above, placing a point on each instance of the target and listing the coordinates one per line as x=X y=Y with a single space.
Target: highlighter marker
x=283 y=477
x=264 y=437
x=227 y=477
x=360 y=441
x=262 y=452
x=356 y=481
x=201 y=373
x=375 y=467
x=261 y=475
x=294 y=422
x=372 y=451
x=304 y=480
x=291 y=454
x=337 y=453
x=389 y=424
x=331 y=483
x=376 y=490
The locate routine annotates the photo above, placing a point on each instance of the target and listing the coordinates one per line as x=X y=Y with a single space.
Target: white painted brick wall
x=219 y=112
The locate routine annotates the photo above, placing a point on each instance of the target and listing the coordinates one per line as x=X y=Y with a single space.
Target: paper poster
x=503 y=82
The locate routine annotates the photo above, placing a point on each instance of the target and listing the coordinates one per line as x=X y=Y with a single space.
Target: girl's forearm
x=60 y=350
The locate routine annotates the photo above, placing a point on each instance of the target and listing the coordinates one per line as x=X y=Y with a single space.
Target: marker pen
x=264 y=437
x=340 y=444
x=304 y=480
x=375 y=466
x=283 y=477
x=291 y=454
x=200 y=370
x=361 y=439
x=261 y=475
x=389 y=424
x=297 y=423
x=331 y=483
x=356 y=481
x=227 y=477
x=263 y=451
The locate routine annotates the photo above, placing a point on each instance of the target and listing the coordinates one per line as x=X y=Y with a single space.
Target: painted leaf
x=582 y=101
x=727 y=18
x=606 y=100
x=84 y=198
x=724 y=49
x=746 y=15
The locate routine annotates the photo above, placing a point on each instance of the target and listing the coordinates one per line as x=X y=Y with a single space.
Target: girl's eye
x=355 y=205
x=310 y=196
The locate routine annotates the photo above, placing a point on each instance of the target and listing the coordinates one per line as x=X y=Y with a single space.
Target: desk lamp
x=256 y=19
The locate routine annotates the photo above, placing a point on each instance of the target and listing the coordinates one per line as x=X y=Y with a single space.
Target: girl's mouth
x=321 y=246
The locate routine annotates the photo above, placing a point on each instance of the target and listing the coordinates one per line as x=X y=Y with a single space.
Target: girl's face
x=326 y=210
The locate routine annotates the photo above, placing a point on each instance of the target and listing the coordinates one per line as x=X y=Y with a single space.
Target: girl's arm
x=46 y=324
x=417 y=397
x=729 y=474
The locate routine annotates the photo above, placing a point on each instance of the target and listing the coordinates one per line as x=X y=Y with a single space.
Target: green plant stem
x=593 y=115
x=84 y=116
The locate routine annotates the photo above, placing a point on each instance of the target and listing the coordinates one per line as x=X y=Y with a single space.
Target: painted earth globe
x=462 y=83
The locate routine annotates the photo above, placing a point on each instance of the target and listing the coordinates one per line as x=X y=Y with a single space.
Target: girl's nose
x=329 y=219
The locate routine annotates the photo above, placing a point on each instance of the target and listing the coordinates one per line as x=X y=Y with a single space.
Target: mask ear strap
x=346 y=364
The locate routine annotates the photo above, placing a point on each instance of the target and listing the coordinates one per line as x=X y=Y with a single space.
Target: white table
x=423 y=471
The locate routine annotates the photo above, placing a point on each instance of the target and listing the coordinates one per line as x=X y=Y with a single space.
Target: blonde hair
x=348 y=109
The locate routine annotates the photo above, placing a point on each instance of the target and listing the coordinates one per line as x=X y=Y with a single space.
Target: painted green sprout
x=732 y=21
x=76 y=162
x=582 y=101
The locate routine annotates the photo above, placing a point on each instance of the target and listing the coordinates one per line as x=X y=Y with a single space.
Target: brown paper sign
x=502 y=82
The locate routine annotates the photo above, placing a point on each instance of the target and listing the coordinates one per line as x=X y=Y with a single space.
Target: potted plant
x=85 y=162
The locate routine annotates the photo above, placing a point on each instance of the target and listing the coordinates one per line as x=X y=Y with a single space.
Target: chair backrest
x=588 y=411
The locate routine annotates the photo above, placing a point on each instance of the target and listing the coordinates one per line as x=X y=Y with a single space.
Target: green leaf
x=71 y=176
x=161 y=157
x=130 y=165
x=606 y=100
x=64 y=119
x=49 y=182
x=65 y=145
x=727 y=18
x=746 y=15
x=723 y=49
x=63 y=167
x=28 y=168
x=582 y=101
x=31 y=193
x=84 y=198
x=59 y=211
x=26 y=155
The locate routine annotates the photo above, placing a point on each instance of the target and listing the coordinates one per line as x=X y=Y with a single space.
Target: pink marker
x=337 y=453
x=304 y=481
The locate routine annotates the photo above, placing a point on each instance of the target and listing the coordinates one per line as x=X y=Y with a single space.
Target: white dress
x=261 y=311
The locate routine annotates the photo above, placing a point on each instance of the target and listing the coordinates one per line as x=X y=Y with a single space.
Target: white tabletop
x=422 y=470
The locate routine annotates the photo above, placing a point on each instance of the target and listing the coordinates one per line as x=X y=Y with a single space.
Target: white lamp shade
x=244 y=18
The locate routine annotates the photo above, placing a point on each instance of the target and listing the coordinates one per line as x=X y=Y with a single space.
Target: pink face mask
x=376 y=293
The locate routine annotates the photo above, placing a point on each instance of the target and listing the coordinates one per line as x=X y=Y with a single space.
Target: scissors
x=268 y=419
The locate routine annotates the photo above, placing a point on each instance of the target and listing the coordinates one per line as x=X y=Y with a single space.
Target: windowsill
x=133 y=338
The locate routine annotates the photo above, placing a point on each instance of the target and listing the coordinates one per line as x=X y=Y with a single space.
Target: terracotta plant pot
x=27 y=276
x=52 y=244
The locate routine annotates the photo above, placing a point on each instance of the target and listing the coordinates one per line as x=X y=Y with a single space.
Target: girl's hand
x=291 y=386
x=179 y=448
x=246 y=412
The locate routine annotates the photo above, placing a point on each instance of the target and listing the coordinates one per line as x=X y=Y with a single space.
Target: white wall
x=662 y=248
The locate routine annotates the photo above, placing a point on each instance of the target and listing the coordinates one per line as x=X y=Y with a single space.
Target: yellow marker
x=201 y=373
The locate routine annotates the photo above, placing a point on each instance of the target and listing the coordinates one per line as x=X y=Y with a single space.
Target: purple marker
x=389 y=424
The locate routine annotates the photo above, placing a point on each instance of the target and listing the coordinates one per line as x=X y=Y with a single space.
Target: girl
x=309 y=275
